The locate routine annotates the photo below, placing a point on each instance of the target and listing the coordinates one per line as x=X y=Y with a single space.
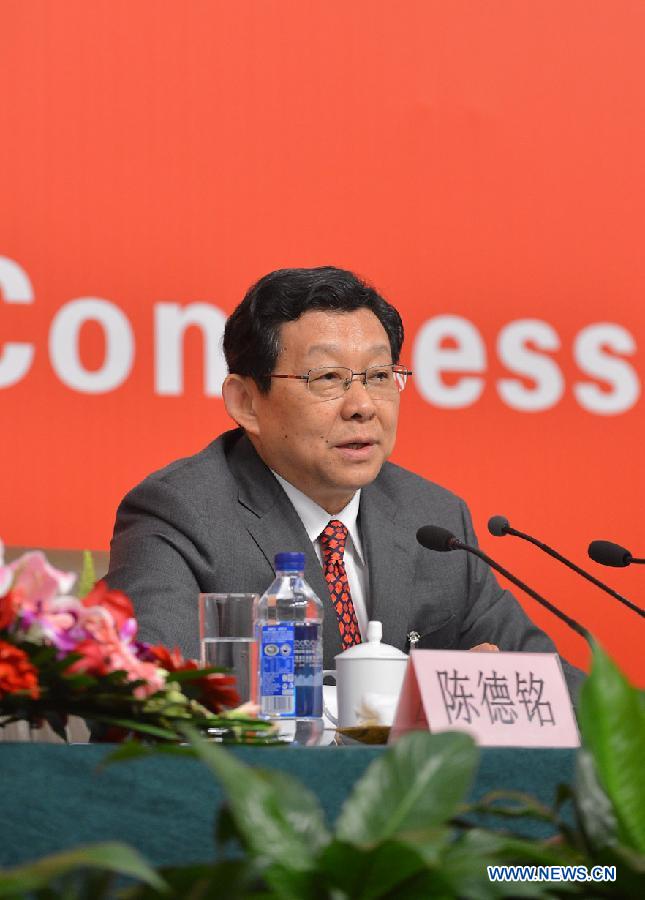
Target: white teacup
x=369 y=677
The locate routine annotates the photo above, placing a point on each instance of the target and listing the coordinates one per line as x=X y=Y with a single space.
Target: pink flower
x=99 y=624
x=56 y=621
x=95 y=658
x=109 y=626
x=37 y=579
x=117 y=604
x=100 y=658
x=154 y=677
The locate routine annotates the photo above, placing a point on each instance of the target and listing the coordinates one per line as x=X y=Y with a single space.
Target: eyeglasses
x=331 y=382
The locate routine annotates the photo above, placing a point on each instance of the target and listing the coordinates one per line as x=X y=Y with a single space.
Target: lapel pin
x=413 y=639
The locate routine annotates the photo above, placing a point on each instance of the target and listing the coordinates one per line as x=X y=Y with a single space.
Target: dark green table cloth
x=56 y=797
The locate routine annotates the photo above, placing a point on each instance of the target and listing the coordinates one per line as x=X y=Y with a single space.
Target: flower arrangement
x=64 y=655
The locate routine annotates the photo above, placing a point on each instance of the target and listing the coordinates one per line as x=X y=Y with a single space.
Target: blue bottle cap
x=290 y=562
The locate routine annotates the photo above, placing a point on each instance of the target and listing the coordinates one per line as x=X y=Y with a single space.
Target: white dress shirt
x=315 y=519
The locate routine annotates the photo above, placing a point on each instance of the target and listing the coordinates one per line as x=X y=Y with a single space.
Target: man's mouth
x=355 y=445
x=356 y=450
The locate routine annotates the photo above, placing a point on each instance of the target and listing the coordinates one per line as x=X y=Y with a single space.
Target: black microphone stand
x=505 y=528
x=455 y=543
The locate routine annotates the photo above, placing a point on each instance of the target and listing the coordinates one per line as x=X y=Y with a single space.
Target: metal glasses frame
x=347 y=383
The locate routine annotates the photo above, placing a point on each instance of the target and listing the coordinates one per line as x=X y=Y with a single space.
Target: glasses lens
x=380 y=381
x=386 y=381
x=329 y=383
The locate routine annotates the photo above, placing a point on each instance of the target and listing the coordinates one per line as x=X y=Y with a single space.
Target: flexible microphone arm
x=432 y=537
x=499 y=526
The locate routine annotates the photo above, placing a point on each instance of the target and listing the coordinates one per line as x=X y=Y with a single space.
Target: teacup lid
x=372 y=648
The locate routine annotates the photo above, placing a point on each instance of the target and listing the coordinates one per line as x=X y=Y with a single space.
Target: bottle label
x=277 y=667
x=308 y=670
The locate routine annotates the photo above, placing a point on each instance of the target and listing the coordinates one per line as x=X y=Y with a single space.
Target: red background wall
x=483 y=160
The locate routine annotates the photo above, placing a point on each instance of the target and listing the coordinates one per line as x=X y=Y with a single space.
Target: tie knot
x=333 y=537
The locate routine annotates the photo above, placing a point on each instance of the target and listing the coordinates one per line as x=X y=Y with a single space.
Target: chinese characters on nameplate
x=502 y=699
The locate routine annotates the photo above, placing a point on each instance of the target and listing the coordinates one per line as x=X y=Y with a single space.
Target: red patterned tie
x=332 y=542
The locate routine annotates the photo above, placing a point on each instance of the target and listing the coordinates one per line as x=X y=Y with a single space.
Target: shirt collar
x=315 y=518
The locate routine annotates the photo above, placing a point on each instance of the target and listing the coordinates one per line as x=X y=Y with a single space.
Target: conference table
x=57 y=797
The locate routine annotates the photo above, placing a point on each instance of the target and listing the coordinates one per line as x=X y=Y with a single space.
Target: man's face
x=327 y=448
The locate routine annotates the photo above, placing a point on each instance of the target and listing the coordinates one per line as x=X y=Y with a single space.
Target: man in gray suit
x=314 y=384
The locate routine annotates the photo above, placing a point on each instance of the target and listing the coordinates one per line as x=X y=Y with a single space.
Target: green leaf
x=519 y=806
x=137 y=726
x=287 y=883
x=78 y=681
x=187 y=675
x=595 y=811
x=612 y=721
x=88 y=575
x=367 y=874
x=86 y=884
x=465 y=862
x=299 y=805
x=129 y=750
x=110 y=856
x=277 y=816
x=416 y=785
x=226 y=830
x=229 y=880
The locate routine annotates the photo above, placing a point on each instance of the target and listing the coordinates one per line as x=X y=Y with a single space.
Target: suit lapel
x=390 y=559
x=275 y=526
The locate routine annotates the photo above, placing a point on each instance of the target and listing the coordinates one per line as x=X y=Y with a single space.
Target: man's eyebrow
x=336 y=348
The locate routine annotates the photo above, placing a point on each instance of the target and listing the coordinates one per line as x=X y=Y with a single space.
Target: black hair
x=252 y=332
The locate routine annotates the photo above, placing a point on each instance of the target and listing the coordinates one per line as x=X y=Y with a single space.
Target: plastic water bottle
x=289 y=639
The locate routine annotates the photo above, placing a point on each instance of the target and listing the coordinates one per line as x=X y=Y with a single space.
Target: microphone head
x=608 y=554
x=433 y=537
x=498 y=525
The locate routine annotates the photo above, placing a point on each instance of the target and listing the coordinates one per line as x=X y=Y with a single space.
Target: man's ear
x=238 y=393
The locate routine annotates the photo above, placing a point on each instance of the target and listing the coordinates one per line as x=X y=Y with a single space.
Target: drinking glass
x=227 y=638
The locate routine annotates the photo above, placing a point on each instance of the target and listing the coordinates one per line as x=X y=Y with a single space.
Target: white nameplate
x=501 y=699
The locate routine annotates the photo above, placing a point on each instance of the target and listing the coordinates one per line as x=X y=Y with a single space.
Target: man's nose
x=358 y=400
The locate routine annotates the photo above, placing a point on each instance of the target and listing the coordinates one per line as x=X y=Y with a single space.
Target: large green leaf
x=300 y=806
x=595 y=810
x=369 y=874
x=110 y=856
x=416 y=785
x=612 y=720
x=279 y=819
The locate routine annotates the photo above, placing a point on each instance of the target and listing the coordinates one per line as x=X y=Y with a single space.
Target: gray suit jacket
x=214 y=522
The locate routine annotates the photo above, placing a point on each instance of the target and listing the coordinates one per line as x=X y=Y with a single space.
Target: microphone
x=608 y=554
x=499 y=526
x=433 y=537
